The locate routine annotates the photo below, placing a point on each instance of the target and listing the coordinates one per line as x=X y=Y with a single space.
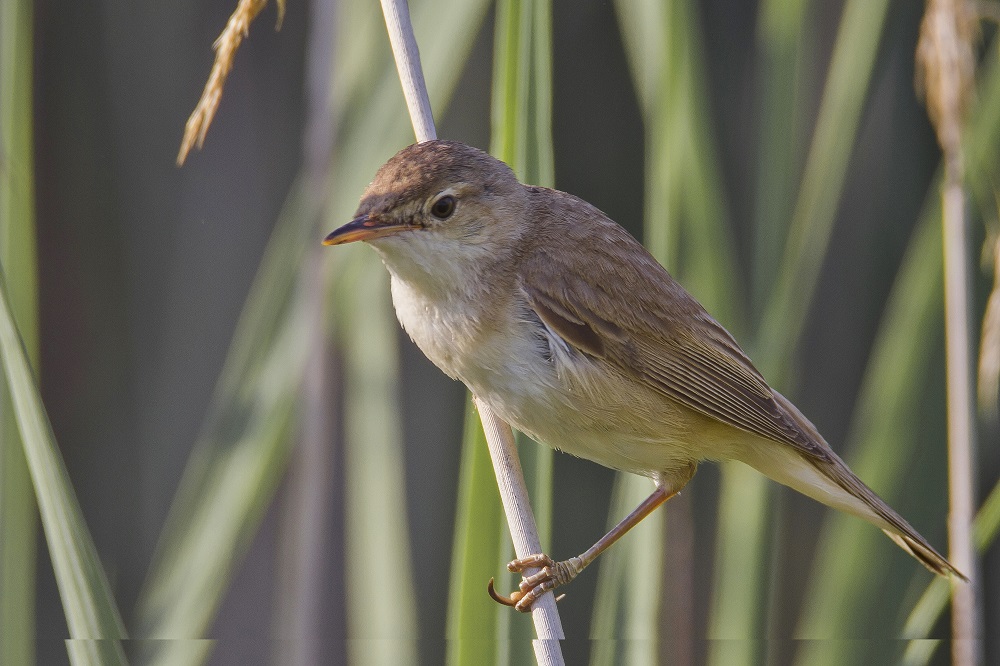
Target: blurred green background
x=773 y=154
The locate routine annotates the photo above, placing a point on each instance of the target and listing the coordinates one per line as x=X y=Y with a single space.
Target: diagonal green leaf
x=685 y=213
x=90 y=608
x=232 y=472
x=844 y=94
x=783 y=47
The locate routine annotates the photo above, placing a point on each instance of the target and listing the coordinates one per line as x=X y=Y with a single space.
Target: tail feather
x=926 y=555
x=827 y=478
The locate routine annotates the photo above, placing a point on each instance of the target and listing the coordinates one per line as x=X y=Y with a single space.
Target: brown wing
x=632 y=314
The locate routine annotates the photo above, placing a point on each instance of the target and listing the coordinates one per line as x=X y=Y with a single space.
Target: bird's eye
x=443 y=207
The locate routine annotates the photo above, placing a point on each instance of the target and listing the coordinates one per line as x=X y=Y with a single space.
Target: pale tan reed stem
x=947 y=63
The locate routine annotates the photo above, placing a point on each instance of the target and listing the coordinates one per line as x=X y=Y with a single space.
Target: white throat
x=441 y=296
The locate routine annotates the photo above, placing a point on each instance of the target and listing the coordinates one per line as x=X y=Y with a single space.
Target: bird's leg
x=553 y=573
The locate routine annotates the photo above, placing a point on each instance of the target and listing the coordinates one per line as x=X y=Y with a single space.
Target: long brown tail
x=895 y=527
x=829 y=480
x=927 y=556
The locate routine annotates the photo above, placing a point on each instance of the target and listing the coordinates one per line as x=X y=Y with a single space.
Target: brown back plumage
x=664 y=339
x=667 y=341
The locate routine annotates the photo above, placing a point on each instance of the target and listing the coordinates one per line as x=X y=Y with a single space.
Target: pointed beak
x=365 y=228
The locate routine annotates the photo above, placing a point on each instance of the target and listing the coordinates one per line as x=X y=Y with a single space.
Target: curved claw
x=500 y=599
x=513 y=598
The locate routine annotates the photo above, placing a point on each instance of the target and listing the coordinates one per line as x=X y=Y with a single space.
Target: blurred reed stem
x=303 y=611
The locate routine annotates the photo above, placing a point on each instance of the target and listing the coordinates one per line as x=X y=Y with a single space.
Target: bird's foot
x=552 y=574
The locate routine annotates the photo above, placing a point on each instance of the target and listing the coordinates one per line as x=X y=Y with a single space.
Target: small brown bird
x=571 y=331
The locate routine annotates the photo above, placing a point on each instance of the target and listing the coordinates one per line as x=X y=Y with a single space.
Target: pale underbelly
x=607 y=418
x=558 y=395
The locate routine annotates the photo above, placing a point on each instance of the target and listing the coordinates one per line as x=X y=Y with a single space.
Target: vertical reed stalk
x=947 y=66
x=18 y=511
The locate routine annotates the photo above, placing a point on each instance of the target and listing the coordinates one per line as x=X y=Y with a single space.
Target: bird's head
x=438 y=204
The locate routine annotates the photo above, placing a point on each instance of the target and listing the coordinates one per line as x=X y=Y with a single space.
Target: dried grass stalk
x=946 y=68
x=237 y=29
